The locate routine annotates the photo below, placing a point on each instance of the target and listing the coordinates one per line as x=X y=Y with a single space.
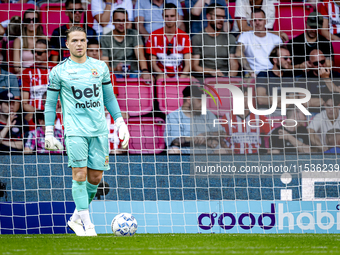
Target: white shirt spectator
x=321 y=124
x=98 y=6
x=243 y=11
x=257 y=49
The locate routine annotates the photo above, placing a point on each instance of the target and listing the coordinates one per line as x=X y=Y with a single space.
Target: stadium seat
x=224 y=93
x=53 y=16
x=231 y=9
x=89 y=16
x=169 y=93
x=147 y=135
x=7 y=11
x=291 y=18
x=336 y=49
x=134 y=96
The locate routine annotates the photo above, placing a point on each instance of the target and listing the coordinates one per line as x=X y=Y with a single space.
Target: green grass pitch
x=172 y=244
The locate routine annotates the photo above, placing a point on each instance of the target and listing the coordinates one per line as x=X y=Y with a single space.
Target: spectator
x=188 y=130
x=12 y=30
x=282 y=63
x=248 y=138
x=35 y=79
x=9 y=83
x=324 y=121
x=330 y=10
x=198 y=12
x=170 y=47
x=10 y=125
x=36 y=138
x=301 y=46
x=93 y=49
x=333 y=141
x=149 y=16
x=318 y=68
x=213 y=50
x=102 y=12
x=123 y=49
x=274 y=78
x=254 y=47
x=23 y=45
x=74 y=11
x=318 y=79
x=243 y=16
x=291 y=138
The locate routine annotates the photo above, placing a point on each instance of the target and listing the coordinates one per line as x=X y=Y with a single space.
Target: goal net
x=233 y=114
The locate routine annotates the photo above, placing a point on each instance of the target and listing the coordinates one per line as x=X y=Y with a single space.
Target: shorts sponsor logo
x=79 y=160
x=106 y=160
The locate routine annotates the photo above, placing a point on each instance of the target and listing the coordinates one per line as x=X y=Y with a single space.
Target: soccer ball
x=124 y=224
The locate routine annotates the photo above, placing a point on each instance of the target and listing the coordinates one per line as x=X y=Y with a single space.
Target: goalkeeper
x=84 y=86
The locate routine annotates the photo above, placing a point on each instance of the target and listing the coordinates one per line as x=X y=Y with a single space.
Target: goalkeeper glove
x=51 y=143
x=123 y=131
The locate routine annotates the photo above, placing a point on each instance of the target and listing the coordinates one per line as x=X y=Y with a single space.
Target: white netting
x=194 y=164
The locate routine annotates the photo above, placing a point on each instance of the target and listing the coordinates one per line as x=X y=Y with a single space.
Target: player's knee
x=79 y=174
x=95 y=180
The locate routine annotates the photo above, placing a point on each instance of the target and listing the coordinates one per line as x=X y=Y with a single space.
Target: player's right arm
x=51 y=143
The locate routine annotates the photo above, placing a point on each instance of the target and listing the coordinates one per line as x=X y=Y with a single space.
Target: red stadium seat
x=336 y=49
x=169 y=93
x=53 y=16
x=147 y=135
x=7 y=11
x=224 y=93
x=291 y=18
x=231 y=9
x=89 y=16
x=134 y=96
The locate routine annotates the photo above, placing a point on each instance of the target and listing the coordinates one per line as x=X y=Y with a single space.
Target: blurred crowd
x=156 y=40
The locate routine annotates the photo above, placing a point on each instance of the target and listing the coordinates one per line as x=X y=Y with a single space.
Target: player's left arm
x=112 y=106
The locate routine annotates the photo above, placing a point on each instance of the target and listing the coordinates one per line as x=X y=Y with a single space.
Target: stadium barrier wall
x=165 y=198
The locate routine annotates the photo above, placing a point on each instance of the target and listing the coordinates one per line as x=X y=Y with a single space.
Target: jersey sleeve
x=187 y=46
x=322 y=8
x=106 y=75
x=240 y=11
x=96 y=7
x=53 y=89
x=148 y=45
x=25 y=81
x=54 y=82
x=197 y=45
x=316 y=123
x=109 y=98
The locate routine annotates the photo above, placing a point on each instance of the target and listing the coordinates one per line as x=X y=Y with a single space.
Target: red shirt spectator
x=170 y=54
x=35 y=81
x=244 y=137
x=170 y=47
x=330 y=11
